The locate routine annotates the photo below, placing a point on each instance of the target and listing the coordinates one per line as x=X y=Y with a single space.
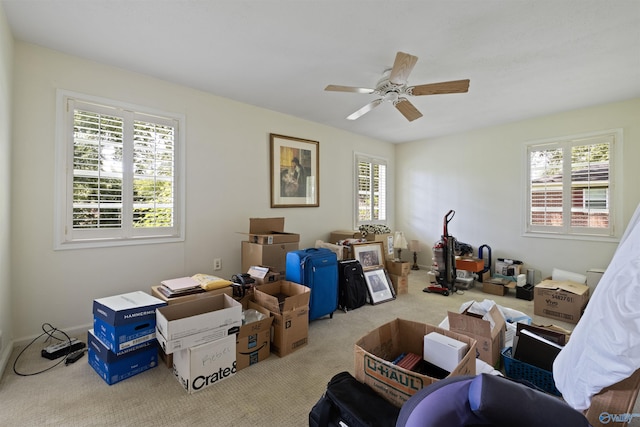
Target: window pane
x=546 y=187
x=364 y=192
x=153 y=164
x=97 y=171
x=590 y=185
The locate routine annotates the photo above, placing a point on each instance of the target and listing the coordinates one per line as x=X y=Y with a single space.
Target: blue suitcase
x=316 y=268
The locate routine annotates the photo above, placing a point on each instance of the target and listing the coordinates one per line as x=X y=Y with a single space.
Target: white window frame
x=65 y=237
x=362 y=157
x=612 y=234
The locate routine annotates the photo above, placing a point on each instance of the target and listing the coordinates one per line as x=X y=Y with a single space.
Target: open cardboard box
x=253 y=342
x=195 y=322
x=375 y=352
x=288 y=303
x=488 y=330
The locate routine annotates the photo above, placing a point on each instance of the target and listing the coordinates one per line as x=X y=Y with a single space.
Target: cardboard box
x=192 y=323
x=288 y=303
x=375 y=352
x=562 y=300
x=253 y=342
x=488 y=331
x=165 y=358
x=593 y=278
x=399 y=268
x=497 y=286
x=270 y=231
x=114 y=367
x=400 y=284
x=263 y=274
x=336 y=236
x=202 y=366
x=272 y=255
x=470 y=264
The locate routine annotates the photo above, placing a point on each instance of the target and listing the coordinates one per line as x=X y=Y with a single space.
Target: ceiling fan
x=392 y=87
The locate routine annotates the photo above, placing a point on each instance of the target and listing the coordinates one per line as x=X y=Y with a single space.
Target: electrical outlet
x=217 y=264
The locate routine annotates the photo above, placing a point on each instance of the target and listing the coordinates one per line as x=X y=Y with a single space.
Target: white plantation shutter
x=570 y=183
x=121 y=185
x=371 y=190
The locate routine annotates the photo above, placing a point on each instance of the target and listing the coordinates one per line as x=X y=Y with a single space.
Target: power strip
x=58 y=350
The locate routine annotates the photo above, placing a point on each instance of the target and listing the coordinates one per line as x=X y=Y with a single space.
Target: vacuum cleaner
x=444 y=261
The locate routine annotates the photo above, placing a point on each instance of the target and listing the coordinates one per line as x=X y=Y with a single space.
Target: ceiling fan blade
x=364 y=110
x=402 y=67
x=455 y=86
x=338 y=88
x=408 y=110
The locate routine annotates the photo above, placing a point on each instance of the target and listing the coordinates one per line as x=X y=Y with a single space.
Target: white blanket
x=605 y=346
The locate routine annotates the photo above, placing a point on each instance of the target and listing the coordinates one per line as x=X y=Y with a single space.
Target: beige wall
x=6 y=68
x=479 y=174
x=476 y=173
x=227 y=158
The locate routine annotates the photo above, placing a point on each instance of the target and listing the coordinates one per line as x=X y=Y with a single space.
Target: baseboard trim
x=4 y=357
x=79 y=332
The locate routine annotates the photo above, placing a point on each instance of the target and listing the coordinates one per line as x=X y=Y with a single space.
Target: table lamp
x=414 y=246
x=399 y=243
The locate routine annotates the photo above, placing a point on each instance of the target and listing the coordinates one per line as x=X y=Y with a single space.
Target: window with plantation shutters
x=118 y=174
x=571 y=183
x=371 y=190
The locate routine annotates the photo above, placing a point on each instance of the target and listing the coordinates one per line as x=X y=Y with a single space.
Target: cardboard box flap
x=266 y=225
x=564 y=285
x=196 y=307
x=282 y=296
x=489 y=325
x=253 y=328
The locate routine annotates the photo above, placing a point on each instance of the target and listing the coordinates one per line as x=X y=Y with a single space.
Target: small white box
x=191 y=323
x=443 y=351
x=199 y=367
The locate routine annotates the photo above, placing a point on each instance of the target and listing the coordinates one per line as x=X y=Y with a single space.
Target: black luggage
x=352 y=287
x=350 y=402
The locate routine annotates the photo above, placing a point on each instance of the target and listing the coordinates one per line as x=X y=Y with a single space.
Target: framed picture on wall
x=379 y=285
x=295 y=172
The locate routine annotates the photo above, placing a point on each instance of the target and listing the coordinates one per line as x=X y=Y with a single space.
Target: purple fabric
x=446 y=405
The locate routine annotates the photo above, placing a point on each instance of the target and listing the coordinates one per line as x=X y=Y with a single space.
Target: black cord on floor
x=50 y=332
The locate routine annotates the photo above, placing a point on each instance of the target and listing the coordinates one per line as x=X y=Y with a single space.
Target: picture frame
x=370 y=254
x=379 y=285
x=295 y=172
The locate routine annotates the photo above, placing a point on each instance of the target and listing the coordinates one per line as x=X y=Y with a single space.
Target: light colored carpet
x=274 y=392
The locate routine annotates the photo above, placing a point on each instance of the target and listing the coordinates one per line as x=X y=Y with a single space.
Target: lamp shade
x=414 y=246
x=399 y=242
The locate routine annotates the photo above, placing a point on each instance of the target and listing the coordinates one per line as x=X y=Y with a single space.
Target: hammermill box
x=375 y=352
x=202 y=366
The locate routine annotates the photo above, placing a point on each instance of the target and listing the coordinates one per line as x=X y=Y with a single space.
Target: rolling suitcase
x=352 y=287
x=316 y=268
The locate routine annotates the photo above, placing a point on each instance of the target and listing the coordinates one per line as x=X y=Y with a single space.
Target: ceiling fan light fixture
x=392 y=87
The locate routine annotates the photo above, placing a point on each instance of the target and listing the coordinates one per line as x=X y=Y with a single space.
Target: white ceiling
x=525 y=58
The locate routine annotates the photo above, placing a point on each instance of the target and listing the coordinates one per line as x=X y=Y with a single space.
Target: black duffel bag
x=348 y=402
